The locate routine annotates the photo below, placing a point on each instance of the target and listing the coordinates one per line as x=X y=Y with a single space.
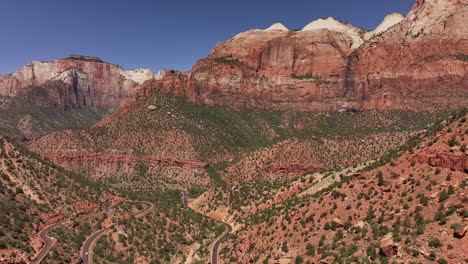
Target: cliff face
x=417 y=63
x=77 y=81
x=420 y=64
x=74 y=92
x=274 y=69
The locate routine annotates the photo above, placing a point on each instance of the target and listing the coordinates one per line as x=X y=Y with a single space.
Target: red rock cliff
x=418 y=63
x=80 y=81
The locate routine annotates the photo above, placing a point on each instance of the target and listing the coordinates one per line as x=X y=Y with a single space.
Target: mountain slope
x=36 y=193
x=411 y=206
x=34 y=112
x=418 y=64
x=159 y=136
x=74 y=92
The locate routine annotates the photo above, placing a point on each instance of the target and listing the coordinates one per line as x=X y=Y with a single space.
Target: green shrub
x=310 y=250
x=441 y=261
x=299 y=260
x=305 y=77
x=461 y=57
x=435 y=242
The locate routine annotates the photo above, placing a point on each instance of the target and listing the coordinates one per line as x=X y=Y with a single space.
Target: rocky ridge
x=416 y=63
x=403 y=208
x=88 y=81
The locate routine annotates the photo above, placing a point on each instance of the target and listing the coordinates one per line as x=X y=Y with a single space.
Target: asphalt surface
x=87 y=244
x=48 y=243
x=217 y=243
x=85 y=249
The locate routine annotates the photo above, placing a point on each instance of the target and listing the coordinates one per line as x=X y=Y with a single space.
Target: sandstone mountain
x=416 y=63
x=68 y=93
x=323 y=145
x=81 y=81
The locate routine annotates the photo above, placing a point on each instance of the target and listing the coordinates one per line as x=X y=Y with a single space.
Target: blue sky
x=157 y=34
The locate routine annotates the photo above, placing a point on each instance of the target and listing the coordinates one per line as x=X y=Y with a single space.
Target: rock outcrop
x=460 y=232
x=331 y=24
x=108 y=159
x=277 y=26
x=417 y=63
x=388 y=247
x=80 y=81
x=458 y=161
x=388 y=22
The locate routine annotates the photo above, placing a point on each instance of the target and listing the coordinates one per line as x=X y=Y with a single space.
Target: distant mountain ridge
x=73 y=92
x=91 y=82
x=416 y=63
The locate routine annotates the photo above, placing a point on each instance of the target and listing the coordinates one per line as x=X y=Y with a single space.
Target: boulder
x=387 y=246
x=460 y=232
x=360 y=224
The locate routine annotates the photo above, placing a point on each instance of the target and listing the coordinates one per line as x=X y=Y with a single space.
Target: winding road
x=217 y=243
x=86 y=248
x=48 y=243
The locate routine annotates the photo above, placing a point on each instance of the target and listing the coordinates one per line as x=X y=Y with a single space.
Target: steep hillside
x=417 y=63
x=408 y=207
x=169 y=233
x=34 y=194
x=163 y=137
x=34 y=113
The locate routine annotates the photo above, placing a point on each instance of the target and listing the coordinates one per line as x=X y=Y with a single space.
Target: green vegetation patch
x=305 y=77
x=462 y=57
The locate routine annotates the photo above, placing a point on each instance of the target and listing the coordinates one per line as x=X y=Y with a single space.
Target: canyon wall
x=416 y=63
x=76 y=81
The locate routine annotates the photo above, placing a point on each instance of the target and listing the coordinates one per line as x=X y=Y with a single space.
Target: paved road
x=217 y=243
x=87 y=245
x=48 y=243
x=85 y=249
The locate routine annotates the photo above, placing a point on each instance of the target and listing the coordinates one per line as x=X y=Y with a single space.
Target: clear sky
x=157 y=34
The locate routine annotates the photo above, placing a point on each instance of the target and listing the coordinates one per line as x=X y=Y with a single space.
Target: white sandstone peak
x=388 y=22
x=332 y=24
x=277 y=26
x=428 y=13
x=321 y=23
x=160 y=75
x=140 y=75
